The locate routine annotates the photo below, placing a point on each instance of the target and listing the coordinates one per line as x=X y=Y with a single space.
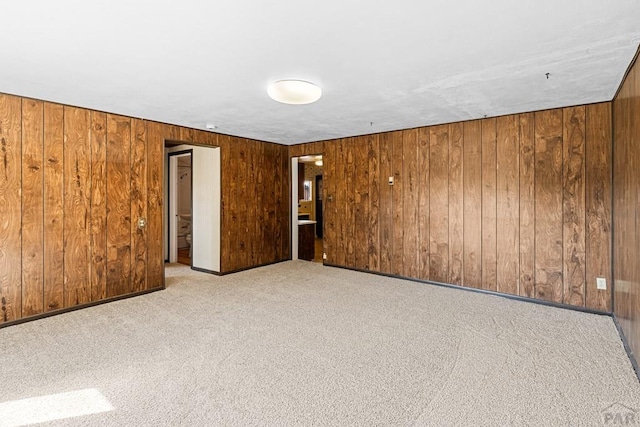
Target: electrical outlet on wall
x=601 y=283
x=324 y=255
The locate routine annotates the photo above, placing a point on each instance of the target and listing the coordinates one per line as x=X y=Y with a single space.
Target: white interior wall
x=184 y=189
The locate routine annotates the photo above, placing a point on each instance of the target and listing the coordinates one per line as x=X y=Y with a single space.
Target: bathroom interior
x=184 y=195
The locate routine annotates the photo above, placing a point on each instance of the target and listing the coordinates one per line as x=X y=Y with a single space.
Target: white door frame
x=173 y=205
x=294 y=208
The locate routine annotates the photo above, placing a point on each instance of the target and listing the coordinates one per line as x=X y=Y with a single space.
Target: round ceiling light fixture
x=295 y=92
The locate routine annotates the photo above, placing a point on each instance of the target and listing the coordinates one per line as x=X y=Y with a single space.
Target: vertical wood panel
x=489 y=224
x=268 y=199
x=331 y=178
x=574 y=221
x=10 y=215
x=626 y=212
x=548 y=205
x=329 y=201
x=77 y=206
x=410 y=202
x=244 y=211
x=342 y=188
x=53 y=207
x=155 y=252
x=283 y=203
x=256 y=223
x=251 y=207
x=375 y=181
x=456 y=204
x=272 y=162
x=398 y=199
x=527 y=205
x=634 y=135
x=268 y=181
x=32 y=207
x=473 y=204
x=98 y=205
x=232 y=218
x=262 y=217
x=361 y=204
x=439 y=203
x=138 y=205
x=598 y=204
x=350 y=198
x=386 y=203
x=423 y=203
x=118 y=205
x=278 y=224
x=224 y=141
x=244 y=249
x=508 y=204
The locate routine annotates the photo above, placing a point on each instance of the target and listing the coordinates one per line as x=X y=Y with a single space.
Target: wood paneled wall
x=255 y=201
x=517 y=204
x=73 y=183
x=626 y=209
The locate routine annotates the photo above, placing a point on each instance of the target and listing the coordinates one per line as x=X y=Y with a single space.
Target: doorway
x=181 y=207
x=307 y=208
x=192 y=234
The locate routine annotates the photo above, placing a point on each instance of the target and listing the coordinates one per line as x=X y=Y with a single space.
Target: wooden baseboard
x=78 y=307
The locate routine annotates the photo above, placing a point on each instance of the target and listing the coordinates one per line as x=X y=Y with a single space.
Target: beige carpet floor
x=297 y=343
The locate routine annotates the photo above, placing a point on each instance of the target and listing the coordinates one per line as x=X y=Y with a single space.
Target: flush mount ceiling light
x=296 y=92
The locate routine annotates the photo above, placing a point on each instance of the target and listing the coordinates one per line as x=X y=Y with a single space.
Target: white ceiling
x=382 y=65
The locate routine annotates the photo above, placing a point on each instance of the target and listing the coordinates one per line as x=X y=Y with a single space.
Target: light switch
x=390 y=180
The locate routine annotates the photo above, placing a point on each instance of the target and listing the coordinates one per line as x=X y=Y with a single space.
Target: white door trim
x=294 y=208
